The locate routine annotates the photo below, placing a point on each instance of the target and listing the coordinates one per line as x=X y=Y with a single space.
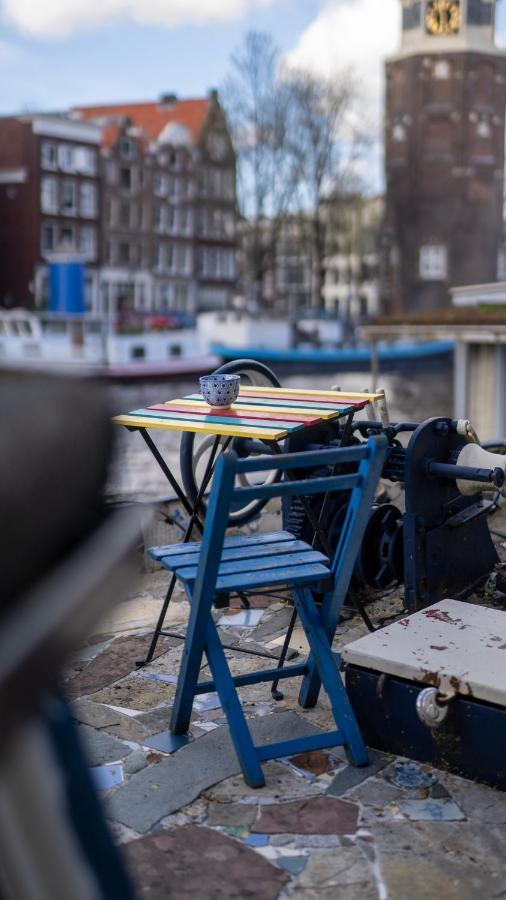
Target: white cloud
x=356 y=34
x=59 y=18
x=8 y=52
x=352 y=33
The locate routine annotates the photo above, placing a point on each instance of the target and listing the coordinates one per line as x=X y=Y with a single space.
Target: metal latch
x=432 y=706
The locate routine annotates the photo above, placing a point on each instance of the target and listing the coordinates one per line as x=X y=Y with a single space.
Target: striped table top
x=268 y=413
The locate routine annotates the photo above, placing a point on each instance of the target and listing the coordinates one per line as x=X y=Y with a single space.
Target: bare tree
x=257 y=102
x=295 y=143
x=327 y=145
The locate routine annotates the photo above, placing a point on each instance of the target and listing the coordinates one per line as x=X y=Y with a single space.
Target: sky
x=58 y=53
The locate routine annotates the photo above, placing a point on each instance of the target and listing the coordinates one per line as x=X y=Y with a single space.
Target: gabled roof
x=152 y=118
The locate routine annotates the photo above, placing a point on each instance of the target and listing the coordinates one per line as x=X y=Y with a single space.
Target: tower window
x=433 y=264
x=411 y=15
x=399 y=133
x=480 y=12
x=442 y=69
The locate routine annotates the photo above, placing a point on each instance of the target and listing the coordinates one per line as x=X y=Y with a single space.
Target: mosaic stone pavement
x=187 y=823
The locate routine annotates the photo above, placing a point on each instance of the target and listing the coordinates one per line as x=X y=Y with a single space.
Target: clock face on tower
x=442 y=17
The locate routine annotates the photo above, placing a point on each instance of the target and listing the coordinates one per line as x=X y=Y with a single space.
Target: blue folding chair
x=221 y=565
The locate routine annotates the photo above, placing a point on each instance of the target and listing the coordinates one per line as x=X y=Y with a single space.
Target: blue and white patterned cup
x=220 y=390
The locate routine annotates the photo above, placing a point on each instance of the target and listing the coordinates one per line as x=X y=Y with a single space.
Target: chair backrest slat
x=324 y=485
x=305 y=459
x=361 y=486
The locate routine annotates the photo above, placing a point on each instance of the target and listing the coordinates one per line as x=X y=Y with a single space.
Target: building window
x=68 y=238
x=138 y=352
x=85 y=160
x=398 y=133
x=88 y=199
x=442 y=69
x=181 y=296
x=480 y=12
x=228 y=185
x=124 y=214
x=87 y=241
x=145 y=217
x=48 y=156
x=124 y=252
x=158 y=217
x=501 y=265
x=110 y=212
x=134 y=216
x=111 y=173
x=48 y=237
x=49 y=195
x=158 y=260
x=125 y=179
x=145 y=256
x=126 y=148
x=433 y=262
x=66 y=157
x=159 y=184
x=69 y=198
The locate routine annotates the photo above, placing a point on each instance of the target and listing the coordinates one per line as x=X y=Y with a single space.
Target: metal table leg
x=194 y=520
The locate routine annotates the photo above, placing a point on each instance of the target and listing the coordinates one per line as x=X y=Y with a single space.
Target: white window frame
x=111 y=172
x=53 y=228
x=433 y=262
x=88 y=241
x=68 y=210
x=49 y=194
x=66 y=158
x=49 y=148
x=88 y=200
x=72 y=243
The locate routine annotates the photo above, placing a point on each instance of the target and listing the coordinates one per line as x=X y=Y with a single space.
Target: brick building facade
x=444 y=151
x=49 y=201
x=144 y=193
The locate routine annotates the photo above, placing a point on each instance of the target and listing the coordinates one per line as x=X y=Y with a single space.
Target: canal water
x=411 y=396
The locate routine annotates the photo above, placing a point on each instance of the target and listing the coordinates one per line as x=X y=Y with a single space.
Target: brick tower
x=444 y=153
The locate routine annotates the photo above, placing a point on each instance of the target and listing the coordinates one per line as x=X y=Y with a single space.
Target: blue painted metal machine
x=440 y=544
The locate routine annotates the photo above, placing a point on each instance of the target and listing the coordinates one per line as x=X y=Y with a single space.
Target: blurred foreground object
x=63 y=561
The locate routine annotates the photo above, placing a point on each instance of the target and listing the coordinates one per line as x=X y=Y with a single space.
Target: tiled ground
x=189 y=825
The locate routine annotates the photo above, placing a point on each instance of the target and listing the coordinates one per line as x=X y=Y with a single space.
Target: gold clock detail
x=442 y=17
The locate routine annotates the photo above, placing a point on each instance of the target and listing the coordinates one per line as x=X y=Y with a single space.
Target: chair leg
x=193 y=651
x=311 y=683
x=330 y=677
x=239 y=731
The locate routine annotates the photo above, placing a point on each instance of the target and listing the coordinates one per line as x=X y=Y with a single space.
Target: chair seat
x=250 y=562
x=236 y=542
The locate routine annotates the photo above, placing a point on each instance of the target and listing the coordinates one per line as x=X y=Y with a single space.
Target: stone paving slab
x=351 y=776
x=197 y=862
x=100 y=747
x=156 y=792
x=136 y=693
x=95 y=714
x=316 y=815
x=115 y=662
x=282 y=784
x=315 y=761
x=343 y=873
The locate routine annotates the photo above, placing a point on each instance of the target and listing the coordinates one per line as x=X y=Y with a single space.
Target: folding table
x=261 y=416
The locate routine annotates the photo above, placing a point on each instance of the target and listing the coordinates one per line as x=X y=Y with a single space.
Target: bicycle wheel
x=194 y=450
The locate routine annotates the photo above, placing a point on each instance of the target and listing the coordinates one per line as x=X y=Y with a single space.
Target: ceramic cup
x=220 y=390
